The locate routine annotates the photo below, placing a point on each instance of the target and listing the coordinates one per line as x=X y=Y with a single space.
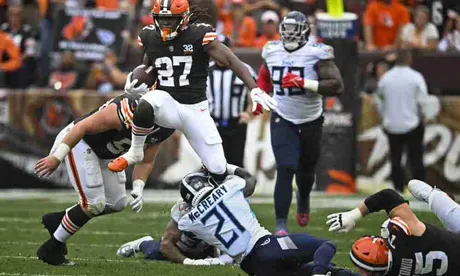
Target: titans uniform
x=87 y=161
x=434 y=253
x=224 y=219
x=179 y=102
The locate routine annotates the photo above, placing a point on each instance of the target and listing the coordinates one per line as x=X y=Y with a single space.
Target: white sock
x=135 y=153
x=447 y=210
x=65 y=230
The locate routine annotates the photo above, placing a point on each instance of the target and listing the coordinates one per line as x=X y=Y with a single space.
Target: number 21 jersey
x=224 y=219
x=182 y=63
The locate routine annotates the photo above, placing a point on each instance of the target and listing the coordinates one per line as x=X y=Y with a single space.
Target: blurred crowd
x=26 y=34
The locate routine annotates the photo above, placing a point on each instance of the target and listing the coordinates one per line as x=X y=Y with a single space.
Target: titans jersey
x=189 y=244
x=181 y=63
x=295 y=104
x=436 y=252
x=224 y=219
x=113 y=143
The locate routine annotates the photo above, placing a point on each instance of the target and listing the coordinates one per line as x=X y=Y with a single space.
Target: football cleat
x=118 y=165
x=130 y=249
x=51 y=221
x=420 y=190
x=303 y=219
x=52 y=252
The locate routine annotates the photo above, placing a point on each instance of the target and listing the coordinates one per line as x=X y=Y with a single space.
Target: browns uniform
x=436 y=252
x=113 y=143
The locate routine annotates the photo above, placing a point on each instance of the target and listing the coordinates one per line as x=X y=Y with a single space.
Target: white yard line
x=75 y=259
x=108 y=245
x=28 y=274
x=96 y=233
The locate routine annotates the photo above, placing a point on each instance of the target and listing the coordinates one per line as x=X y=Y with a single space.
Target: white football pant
x=447 y=210
x=194 y=120
x=98 y=188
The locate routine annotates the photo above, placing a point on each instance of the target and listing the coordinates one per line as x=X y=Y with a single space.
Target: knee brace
x=143 y=117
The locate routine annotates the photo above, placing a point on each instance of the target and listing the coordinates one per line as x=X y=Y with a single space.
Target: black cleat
x=51 y=222
x=52 y=252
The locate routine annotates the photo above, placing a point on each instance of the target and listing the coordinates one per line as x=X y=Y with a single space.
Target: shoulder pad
x=141 y=39
x=325 y=51
x=126 y=105
x=179 y=210
x=270 y=46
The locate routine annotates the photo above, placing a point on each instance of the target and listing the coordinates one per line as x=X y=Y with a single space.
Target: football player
x=178 y=246
x=87 y=145
x=179 y=51
x=299 y=74
x=221 y=216
x=407 y=246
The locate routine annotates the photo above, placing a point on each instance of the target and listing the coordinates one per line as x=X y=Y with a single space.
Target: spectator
x=10 y=58
x=236 y=24
x=24 y=38
x=307 y=7
x=383 y=20
x=442 y=13
x=451 y=42
x=400 y=95
x=269 y=22
x=66 y=76
x=106 y=77
x=421 y=34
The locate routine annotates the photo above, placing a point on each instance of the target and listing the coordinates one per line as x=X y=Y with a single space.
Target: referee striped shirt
x=227 y=94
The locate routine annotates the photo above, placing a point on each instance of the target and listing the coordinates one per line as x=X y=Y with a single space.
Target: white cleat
x=130 y=249
x=420 y=190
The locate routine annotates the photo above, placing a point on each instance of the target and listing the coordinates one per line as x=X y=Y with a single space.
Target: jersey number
x=221 y=220
x=166 y=66
x=278 y=73
x=426 y=267
x=117 y=147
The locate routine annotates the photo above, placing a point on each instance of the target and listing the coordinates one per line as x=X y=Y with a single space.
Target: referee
x=228 y=101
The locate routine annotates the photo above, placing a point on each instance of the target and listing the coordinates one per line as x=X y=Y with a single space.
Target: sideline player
x=87 y=145
x=299 y=74
x=221 y=216
x=407 y=246
x=180 y=52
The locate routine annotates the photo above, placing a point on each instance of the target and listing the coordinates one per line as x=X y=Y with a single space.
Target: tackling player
x=87 y=145
x=179 y=52
x=221 y=216
x=407 y=246
x=300 y=74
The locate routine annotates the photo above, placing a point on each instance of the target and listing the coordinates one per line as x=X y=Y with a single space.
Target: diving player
x=179 y=51
x=407 y=246
x=221 y=216
x=87 y=145
x=299 y=74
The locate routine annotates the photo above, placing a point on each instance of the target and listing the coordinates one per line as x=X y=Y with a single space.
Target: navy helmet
x=294 y=30
x=196 y=186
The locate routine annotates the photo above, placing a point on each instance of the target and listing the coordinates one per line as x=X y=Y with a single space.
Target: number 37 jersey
x=182 y=63
x=295 y=104
x=224 y=219
x=112 y=143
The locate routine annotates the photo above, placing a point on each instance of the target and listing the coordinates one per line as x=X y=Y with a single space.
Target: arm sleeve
x=386 y=200
x=206 y=34
x=263 y=79
x=125 y=109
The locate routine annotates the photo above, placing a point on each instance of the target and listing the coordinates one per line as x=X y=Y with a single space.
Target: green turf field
x=94 y=248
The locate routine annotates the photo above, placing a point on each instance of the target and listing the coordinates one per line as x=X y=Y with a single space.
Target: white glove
x=214 y=261
x=344 y=222
x=137 y=192
x=258 y=96
x=188 y=261
x=129 y=86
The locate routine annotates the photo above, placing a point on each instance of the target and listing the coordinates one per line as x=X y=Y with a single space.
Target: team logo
x=188 y=49
x=106 y=37
x=267 y=241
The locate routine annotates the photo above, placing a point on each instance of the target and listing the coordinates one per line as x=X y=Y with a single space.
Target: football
x=144 y=74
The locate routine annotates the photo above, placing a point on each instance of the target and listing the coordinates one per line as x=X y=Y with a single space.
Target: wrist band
x=231 y=169
x=138 y=184
x=61 y=151
x=311 y=85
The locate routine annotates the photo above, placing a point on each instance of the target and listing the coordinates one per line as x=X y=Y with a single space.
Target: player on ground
x=407 y=246
x=180 y=53
x=178 y=246
x=87 y=145
x=221 y=217
x=300 y=74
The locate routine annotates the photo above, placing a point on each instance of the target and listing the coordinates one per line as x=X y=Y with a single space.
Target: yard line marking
x=96 y=233
x=73 y=244
x=28 y=274
x=74 y=259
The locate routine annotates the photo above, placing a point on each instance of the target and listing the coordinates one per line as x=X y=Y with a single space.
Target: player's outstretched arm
x=168 y=243
x=102 y=120
x=330 y=81
x=141 y=173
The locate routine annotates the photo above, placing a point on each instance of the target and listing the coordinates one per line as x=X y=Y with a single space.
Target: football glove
x=292 y=81
x=343 y=222
x=137 y=194
x=259 y=97
x=130 y=86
